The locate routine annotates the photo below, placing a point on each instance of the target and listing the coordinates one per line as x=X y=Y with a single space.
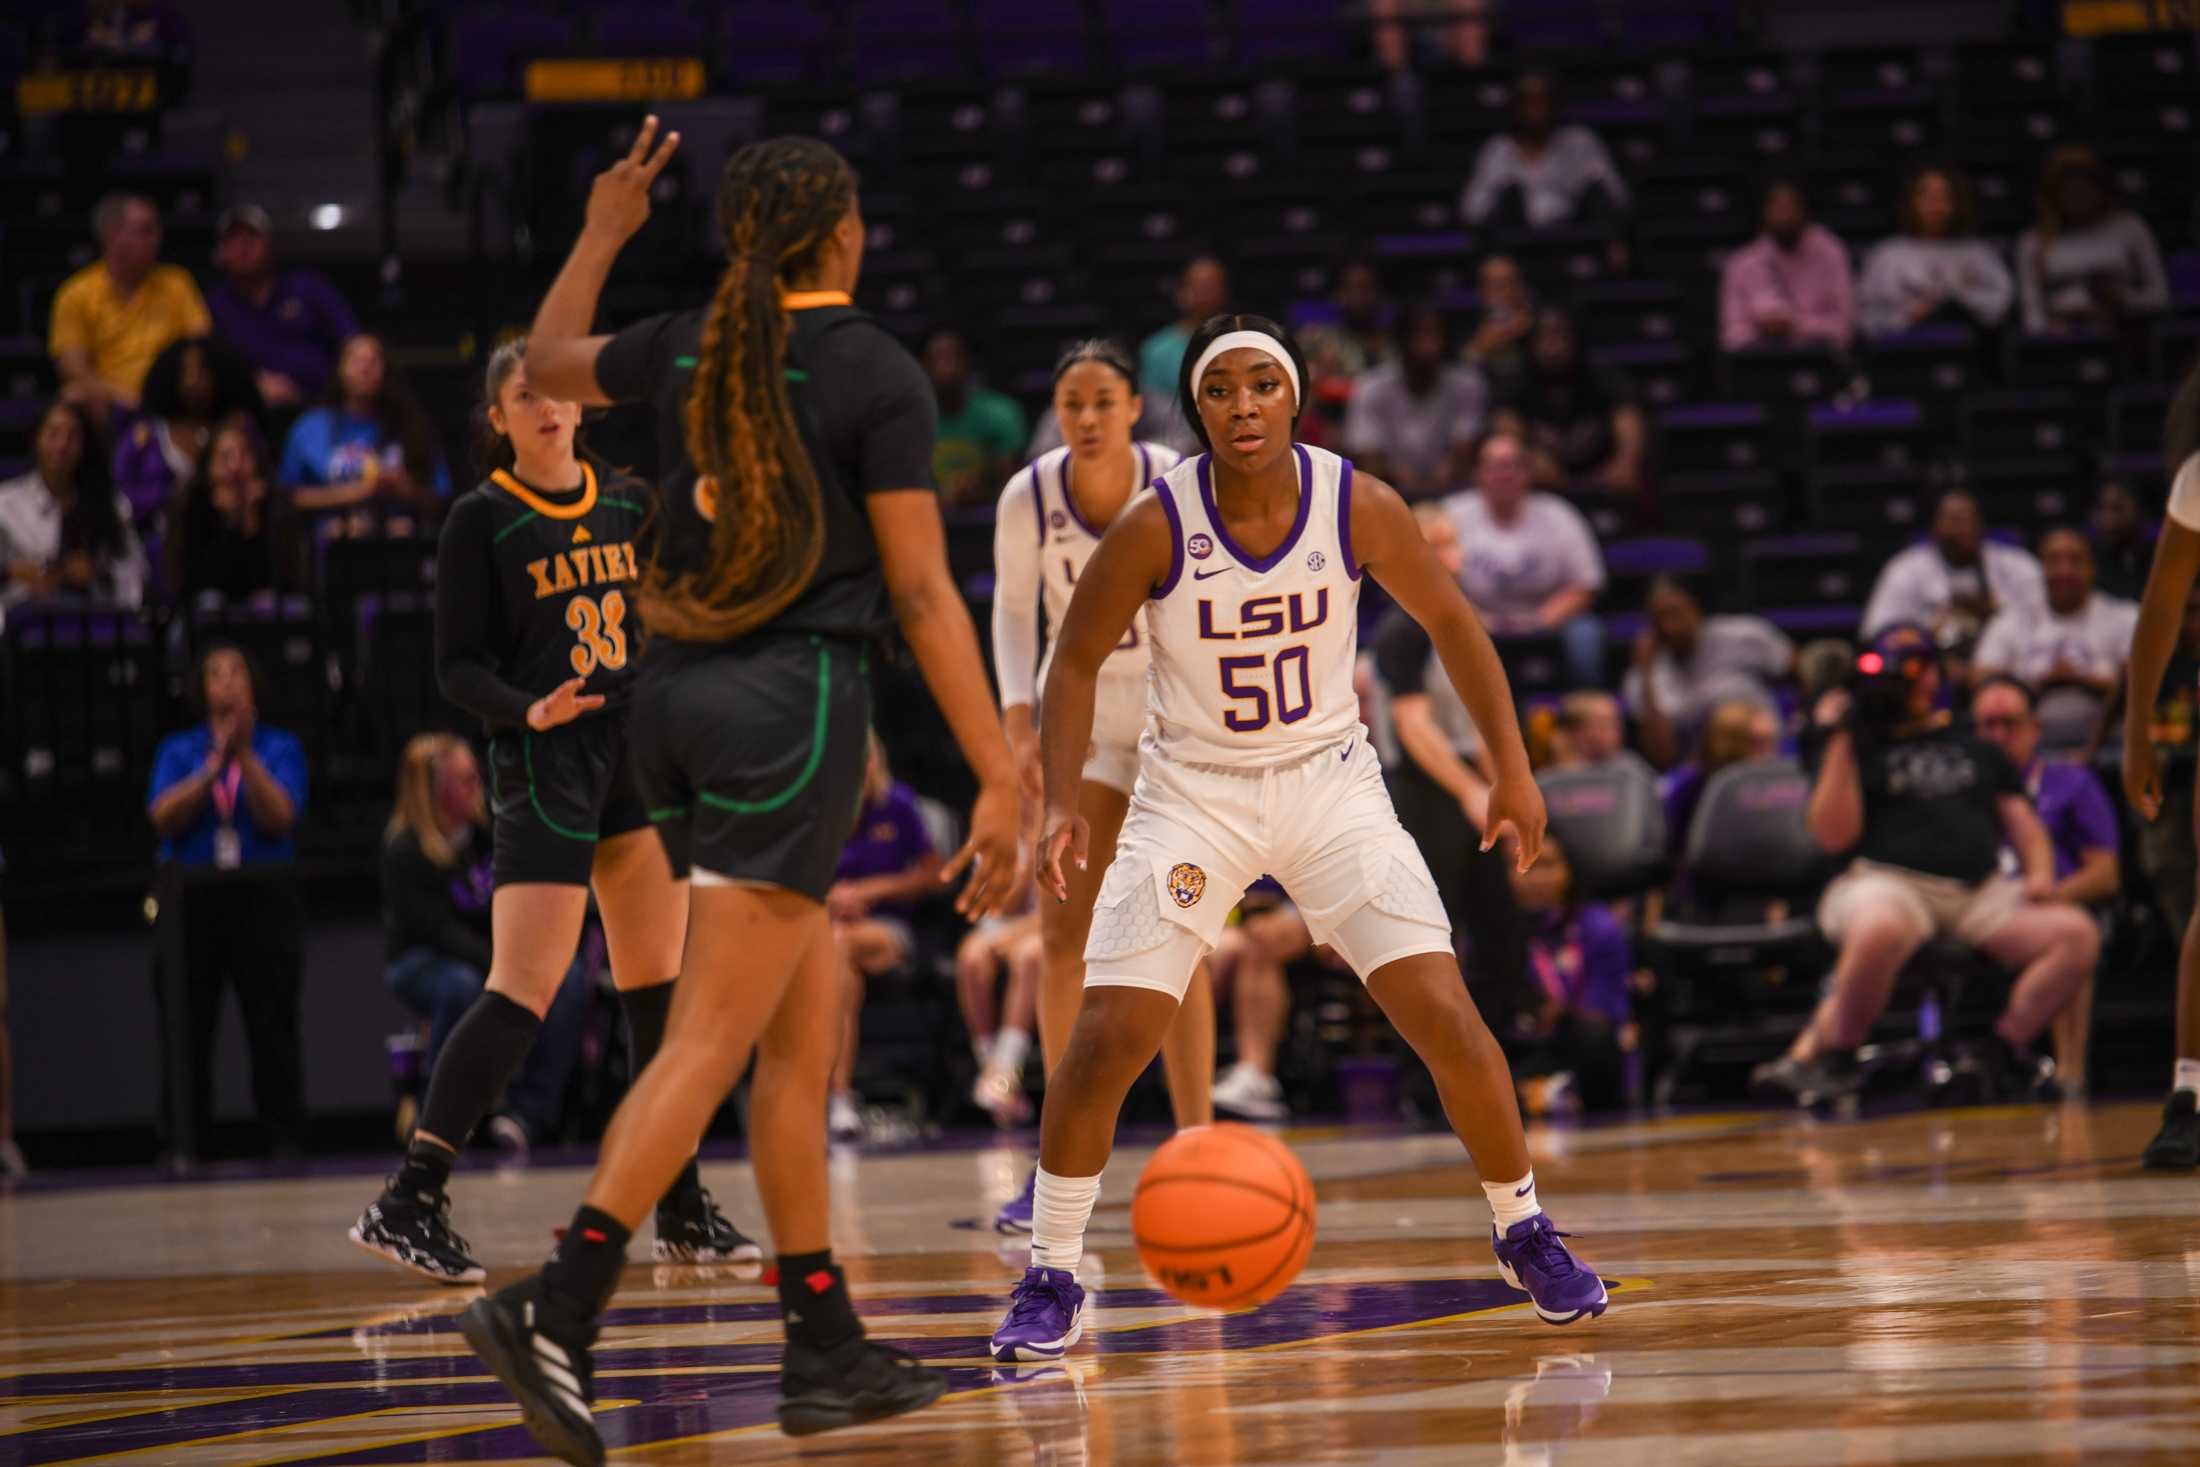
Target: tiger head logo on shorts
x=1187 y=883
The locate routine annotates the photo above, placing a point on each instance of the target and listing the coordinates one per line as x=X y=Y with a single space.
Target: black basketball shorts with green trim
x=750 y=757
x=556 y=794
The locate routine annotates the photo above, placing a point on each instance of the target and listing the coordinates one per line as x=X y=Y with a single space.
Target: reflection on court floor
x=1986 y=1286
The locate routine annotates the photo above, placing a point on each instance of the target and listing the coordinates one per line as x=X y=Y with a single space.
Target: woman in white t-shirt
x=2077 y=639
x=1530 y=561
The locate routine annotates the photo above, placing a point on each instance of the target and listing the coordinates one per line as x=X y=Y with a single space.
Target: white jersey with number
x=1252 y=656
x=1039 y=536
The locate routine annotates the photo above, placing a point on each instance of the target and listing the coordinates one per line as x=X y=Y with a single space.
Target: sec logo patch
x=1059 y=520
x=1316 y=561
x=1187 y=883
x=1199 y=547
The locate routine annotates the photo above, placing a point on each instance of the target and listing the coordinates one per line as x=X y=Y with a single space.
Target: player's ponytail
x=778 y=203
x=493 y=450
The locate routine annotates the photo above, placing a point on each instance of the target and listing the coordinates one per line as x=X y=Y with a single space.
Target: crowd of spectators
x=203 y=445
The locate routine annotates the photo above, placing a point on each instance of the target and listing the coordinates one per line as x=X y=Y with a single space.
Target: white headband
x=1258 y=341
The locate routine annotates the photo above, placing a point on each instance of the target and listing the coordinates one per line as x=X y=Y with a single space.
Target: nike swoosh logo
x=1347 y=754
x=1523 y=1191
x=1209 y=574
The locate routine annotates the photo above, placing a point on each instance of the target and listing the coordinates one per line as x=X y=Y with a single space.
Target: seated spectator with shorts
x=887 y=867
x=1686 y=664
x=1529 y=562
x=2081 y=826
x=1266 y=935
x=1924 y=806
x=1000 y=1032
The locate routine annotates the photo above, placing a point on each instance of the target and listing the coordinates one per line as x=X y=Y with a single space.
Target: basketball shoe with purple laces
x=1531 y=1259
x=1015 y=1214
x=1046 y=1315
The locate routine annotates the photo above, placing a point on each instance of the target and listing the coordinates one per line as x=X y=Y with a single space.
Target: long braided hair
x=778 y=202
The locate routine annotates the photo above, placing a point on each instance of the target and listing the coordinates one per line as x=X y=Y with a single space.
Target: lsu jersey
x=1252 y=656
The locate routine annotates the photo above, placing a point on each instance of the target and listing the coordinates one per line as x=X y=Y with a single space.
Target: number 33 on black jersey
x=553 y=574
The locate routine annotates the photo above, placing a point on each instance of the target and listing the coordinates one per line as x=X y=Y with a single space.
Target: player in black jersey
x=797 y=510
x=534 y=635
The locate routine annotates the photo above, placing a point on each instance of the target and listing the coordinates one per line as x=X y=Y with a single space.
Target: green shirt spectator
x=981 y=433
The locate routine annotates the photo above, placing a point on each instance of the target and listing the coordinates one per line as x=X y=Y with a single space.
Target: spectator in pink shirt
x=1790 y=285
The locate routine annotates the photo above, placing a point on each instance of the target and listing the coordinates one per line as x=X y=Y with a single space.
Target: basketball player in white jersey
x=1246 y=562
x=1051 y=518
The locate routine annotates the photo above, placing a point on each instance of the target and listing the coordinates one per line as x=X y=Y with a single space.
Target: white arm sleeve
x=1016 y=592
x=2184 y=494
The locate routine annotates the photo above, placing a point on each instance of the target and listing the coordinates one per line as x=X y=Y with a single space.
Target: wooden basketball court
x=1993 y=1286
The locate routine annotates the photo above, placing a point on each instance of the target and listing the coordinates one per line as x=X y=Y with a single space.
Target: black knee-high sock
x=646 y=1012
x=484 y=1052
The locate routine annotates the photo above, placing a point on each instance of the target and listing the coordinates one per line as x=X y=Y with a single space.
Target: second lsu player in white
x=1247 y=562
x=1051 y=518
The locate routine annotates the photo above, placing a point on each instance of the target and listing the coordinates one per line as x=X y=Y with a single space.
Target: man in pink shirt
x=1790 y=285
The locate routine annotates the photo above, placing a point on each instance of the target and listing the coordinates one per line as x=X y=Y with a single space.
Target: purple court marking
x=670 y=1405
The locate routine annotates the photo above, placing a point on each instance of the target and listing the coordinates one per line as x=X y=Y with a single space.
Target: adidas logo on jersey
x=581 y=535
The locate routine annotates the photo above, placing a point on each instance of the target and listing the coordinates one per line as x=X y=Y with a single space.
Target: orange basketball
x=1223 y=1217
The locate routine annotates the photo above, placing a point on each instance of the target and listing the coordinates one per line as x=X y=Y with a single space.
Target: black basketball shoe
x=854 y=1382
x=539 y=1349
x=691 y=1229
x=414 y=1232
x=2176 y=1147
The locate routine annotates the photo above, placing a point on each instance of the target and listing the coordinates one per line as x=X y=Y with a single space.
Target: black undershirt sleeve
x=465 y=617
x=1402 y=651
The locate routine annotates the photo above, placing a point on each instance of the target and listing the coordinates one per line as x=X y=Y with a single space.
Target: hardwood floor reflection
x=1986 y=1286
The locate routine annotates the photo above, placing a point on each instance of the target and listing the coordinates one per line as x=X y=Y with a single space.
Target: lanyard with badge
x=228 y=844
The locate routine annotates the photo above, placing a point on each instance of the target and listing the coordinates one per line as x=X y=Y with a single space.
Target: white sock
x=1009 y=1048
x=1060 y=1208
x=1513 y=1202
x=2187 y=1076
x=981 y=1048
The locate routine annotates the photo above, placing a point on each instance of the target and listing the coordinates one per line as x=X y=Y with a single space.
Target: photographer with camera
x=1923 y=805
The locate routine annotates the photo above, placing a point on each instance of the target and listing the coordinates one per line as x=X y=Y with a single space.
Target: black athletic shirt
x=533 y=587
x=864 y=409
x=1931 y=803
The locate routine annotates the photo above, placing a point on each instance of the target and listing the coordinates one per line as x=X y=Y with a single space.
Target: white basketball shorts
x=1197 y=837
x=1118 y=717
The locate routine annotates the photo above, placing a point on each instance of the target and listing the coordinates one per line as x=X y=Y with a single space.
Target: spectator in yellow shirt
x=111 y=318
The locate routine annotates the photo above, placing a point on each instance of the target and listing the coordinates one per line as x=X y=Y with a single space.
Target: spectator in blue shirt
x=289 y=324
x=226 y=797
x=2081 y=826
x=367 y=441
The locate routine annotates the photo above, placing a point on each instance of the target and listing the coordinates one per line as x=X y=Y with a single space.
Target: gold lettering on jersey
x=1266 y=616
x=586 y=565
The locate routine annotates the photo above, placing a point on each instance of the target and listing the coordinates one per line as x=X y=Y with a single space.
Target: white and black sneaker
x=415 y=1233
x=691 y=1229
x=540 y=1351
